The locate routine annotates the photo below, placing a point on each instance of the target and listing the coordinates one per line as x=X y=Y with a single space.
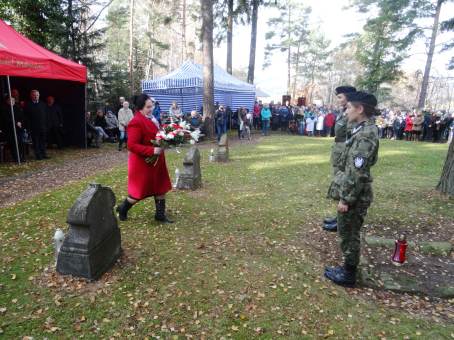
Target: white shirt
x=320 y=121
x=310 y=122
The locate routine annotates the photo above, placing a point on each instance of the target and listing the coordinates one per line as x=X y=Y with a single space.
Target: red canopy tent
x=22 y=58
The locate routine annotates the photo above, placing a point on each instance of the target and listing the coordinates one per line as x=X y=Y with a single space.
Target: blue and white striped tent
x=185 y=85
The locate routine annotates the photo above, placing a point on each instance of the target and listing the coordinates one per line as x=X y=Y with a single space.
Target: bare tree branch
x=98 y=15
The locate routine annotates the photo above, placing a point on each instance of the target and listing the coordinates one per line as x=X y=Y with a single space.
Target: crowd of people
x=109 y=126
x=40 y=123
x=303 y=120
x=35 y=122
x=415 y=125
x=319 y=121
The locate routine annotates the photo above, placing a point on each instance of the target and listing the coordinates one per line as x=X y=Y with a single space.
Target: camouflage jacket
x=340 y=127
x=361 y=152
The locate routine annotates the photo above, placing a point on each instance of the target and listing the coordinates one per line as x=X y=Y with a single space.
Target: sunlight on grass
x=233 y=261
x=289 y=161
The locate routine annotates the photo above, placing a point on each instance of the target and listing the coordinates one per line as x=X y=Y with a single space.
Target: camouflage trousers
x=336 y=157
x=349 y=229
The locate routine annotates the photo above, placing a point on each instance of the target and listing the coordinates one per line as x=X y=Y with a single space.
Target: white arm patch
x=359 y=162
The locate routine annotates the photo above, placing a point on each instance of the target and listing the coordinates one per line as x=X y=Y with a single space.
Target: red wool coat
x=408 y=124
x=145 y=179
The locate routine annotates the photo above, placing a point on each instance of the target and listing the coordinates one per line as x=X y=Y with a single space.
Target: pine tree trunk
x=255 y=15
x=183 y=32
x=131 y=49
x=208 y=76
x=150 y=46
x=297 y=66
x=229 y=36
x=446 y=184
x=72 y=43
x=425 y=80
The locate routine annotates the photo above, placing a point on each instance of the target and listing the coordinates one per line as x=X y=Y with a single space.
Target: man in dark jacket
x=284 y=114
x=55 y=122
x=6 y=127
x=35 y=112
x=220 y=118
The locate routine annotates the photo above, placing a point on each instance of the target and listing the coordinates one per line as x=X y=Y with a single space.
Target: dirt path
x=85 y=163
x=17 y=188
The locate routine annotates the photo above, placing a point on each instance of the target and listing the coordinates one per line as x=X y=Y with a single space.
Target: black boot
x=343 y=276
x=123 y=208
x=330 y=226
x=333 y=269
x=161 y=211
x=330 y=220
x=120 y=145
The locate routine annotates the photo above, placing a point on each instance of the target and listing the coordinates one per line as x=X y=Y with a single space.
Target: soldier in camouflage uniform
x=352 y=187
x=340 y=129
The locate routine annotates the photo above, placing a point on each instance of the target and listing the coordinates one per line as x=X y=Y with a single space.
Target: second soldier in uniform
x=352 y=186
x=340 y=130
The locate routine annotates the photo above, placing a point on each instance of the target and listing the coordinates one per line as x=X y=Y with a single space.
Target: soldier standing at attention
x=352 y=187
x=340 y=131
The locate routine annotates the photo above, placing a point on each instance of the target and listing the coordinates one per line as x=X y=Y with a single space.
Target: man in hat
x=352 y=185
x=340 y=133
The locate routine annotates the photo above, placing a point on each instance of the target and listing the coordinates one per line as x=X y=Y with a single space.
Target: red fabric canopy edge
x=21 y=57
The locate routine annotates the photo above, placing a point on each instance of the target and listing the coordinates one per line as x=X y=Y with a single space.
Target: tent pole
x=13 y=120
x=85 y=115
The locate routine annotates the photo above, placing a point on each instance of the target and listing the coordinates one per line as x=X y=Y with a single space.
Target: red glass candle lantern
x=399 y=251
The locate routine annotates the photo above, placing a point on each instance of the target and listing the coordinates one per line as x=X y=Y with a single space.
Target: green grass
x=232 y=264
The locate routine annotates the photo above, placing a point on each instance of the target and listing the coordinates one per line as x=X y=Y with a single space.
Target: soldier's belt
x=339 y=140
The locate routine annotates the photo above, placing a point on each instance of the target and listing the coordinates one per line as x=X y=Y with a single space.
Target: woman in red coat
x=145 y=179
x=408 y=126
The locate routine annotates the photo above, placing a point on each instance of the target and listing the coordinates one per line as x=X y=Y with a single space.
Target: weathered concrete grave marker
x=191 y=176
x=93 y=242
x=222 y=151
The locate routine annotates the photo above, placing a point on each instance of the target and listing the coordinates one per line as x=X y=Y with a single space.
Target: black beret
x=363 y=98
x=345 y=89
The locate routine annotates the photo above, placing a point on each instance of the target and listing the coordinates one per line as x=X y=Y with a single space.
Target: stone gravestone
x=93 y=242
x=191 y=176
x=222 y=151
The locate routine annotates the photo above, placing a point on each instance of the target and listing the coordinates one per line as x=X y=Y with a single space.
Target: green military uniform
x=353 y=187
x=340 y=132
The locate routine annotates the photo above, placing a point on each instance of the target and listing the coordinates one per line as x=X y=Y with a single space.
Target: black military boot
x=330 y=220
x=332 y=227
x=123 y=208
x=161 y=211
x=344 y=276
x=333 y=269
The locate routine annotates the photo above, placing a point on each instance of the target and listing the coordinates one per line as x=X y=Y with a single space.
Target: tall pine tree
x=386 y=39
x=289 y=33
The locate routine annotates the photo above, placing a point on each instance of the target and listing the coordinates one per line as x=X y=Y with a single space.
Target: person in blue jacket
x=266 y=116
x=157 y=112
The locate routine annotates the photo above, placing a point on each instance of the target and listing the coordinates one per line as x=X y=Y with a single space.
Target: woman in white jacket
x=124 y=117
x=310 y=122
x=320 y=122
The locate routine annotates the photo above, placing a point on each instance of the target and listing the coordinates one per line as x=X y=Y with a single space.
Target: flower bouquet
x=173 y=135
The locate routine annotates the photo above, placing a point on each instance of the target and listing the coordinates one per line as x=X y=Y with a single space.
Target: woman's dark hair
x=369 y=111
x=366 y=100
x=140 y=100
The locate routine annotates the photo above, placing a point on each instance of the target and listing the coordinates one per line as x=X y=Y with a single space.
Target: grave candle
x=398 y=257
